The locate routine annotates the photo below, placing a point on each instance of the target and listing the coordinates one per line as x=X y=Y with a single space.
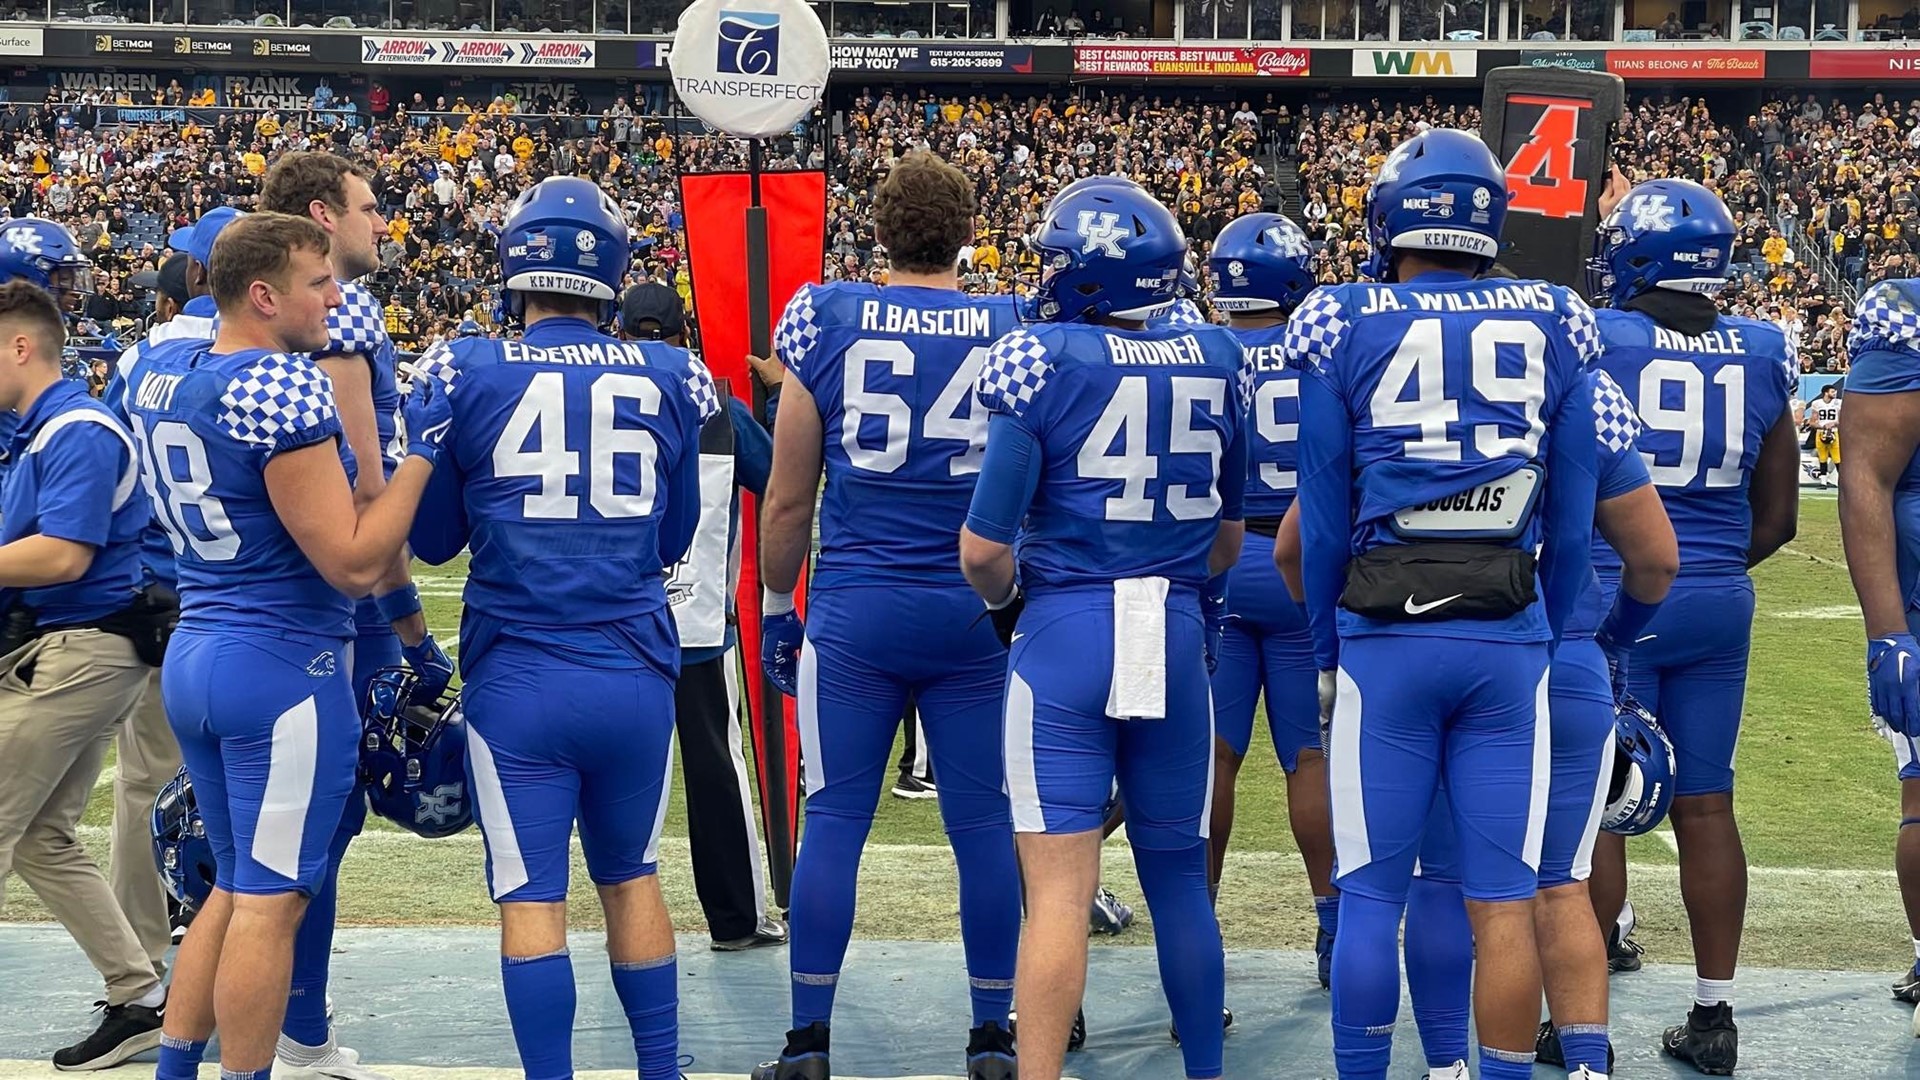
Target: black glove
x=1006 y=617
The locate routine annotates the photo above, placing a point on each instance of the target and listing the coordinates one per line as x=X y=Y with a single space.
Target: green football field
x=1817 y=804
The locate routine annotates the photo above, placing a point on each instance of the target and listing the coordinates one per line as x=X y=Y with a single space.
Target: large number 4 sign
x=1542 y=176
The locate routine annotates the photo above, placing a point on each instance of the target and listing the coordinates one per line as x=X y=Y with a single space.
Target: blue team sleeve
x=1325 y=498
x=358 y=327
x=752 y=448
x=280 y=403
x=85 y=471
x=1884 y=372
x=682 y=515
x=1016 y=370
x=1233 y=477
x=701 y=393
x=1567 y=553
x=1621 y=468
x=440 y=530
x=1884 y=346
x=1009 y=475
x=797 y=332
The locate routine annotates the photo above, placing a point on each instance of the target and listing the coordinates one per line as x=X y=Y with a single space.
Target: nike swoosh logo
x=1017 y=636
x=1422 y=609
x=1644 y=638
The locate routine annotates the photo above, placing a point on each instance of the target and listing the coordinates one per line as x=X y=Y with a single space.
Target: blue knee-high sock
x=1439 y=968
x=179 y=1058
x=821 y=919
x=1506 y=1064
x=989 y=916
x=306 y=1019
x=650 y=996
x=1584 y=1044
x=540 y=1003
x=1187 y=939
x=1366 y=986
x=1326 y=909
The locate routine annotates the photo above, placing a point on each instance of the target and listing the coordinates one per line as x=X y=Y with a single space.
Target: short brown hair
x=923 y=213
x=298 y=179
x=259 y=247
x=23 y=301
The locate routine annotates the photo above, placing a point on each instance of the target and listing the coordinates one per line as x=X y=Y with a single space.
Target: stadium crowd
x=1823 y=191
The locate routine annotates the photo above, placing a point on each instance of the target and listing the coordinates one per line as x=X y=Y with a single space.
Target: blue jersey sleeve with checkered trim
x=1620 y=467
x=1885 y=344
x=1016 y=369
x=1182 y=312
x=798 y=331
x=280 y=402
x=700 y=389
x=1577 y=319
x=358 y=327
x=1314 y=331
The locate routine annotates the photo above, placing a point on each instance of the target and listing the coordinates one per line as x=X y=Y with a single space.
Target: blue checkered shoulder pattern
x=279 y=402
x=1790 y=365
x=798 y=331
x=1581 y=327
x=358 y=327
x=1614 y=421
x=439 y=363
x=1184 y=312
x=1017 y=367
x=1888 y=318
x=1315 y=330
x=700 y=389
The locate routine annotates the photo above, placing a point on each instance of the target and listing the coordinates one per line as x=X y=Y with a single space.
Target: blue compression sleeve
x=1233 y=477
x=541 y=999
x=1326 y=511
x=649 y=994
x=752 y=449
x=1628 y=617
x=1439 y=947
x=440 y=527
x=1009 y=476
x=1567 y=554
x=683 y=508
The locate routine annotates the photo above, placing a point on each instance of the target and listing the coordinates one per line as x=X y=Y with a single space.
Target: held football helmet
x=564 y=235
x=1666 y=234
x=1260 y=263
x=1441 y=190
x=181 y=850
x=413 y=757
x=1107 y=250
x=468 y=328
x=46 y=254
x=1641 y=790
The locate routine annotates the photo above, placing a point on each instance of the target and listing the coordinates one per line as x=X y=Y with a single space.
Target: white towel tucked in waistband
x=1139 y=688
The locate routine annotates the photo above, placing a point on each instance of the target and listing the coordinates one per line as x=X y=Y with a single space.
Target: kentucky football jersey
x=206 y=425
x=572 y=472
x=1139 y=427
x=358 y=327
x=1621 y=470
x=892 y=371
x=1274 y=434
x=199 y=320
x=1705 y=404
x=1886 y=360
x=1452 y=385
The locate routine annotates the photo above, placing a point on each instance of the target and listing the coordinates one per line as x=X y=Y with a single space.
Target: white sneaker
x=332 y=1061
x=1584 y=1073
x=1916 y=1023
x=1455 y=1071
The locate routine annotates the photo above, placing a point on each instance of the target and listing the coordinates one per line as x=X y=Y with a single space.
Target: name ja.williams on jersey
x=1537 y=296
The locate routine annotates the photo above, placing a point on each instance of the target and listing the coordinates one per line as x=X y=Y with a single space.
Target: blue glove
x=1213 y=610
x=429 y=416
x=1893 y=681
x=780 y=637
x=1616 y=667
x=430 y=664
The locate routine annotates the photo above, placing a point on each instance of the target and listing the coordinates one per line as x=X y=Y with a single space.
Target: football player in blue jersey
x=359 y=360
x=1429 y=406
x=572 y=470
x=1880 y=525
x=1713 y=395
x=1573 y=952
x=1117 y=454
x=1261 y=269
x=880 y=397
x=242 y=460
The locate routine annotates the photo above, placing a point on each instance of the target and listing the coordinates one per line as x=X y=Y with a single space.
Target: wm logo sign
x=1419 y=63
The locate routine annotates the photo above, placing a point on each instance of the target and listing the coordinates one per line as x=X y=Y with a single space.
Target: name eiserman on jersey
x=1181 y=350
x=1727 y=342
x=968 y=322
x=590 y=352
x=1535 y=297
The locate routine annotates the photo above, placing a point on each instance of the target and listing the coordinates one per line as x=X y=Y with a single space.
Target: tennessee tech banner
x=716 y=213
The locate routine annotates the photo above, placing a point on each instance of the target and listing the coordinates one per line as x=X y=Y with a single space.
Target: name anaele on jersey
x=1535 y=296
x=1728 y=342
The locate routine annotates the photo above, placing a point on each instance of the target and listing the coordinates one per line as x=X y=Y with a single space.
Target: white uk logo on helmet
x=24 y=239
x=1101 y=231
x=1651 y=213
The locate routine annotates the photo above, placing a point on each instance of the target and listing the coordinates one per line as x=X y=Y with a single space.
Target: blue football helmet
x=1641 y=790
x=1260 y=263
x=413 y=758
x=181 y=850
x=1666 y=234
x=468 y=328
x=1107 y=250
x=564 y=235
x=1441 y=190
x=1887 y=319
x=45 y=253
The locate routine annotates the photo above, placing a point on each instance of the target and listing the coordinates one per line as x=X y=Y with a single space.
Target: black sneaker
x=805 y=1057
x=769 y=932
x=912 y=787
x=1708 y=1041
x=1076 y=1035
x=1907 y=987
x=1226 y=1024
x=990 y=1053
x=1623 y=953
x=1547 y=1051
x=124 y=1031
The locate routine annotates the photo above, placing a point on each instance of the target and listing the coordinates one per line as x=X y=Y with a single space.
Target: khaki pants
x=62 y=697
x=148 y=757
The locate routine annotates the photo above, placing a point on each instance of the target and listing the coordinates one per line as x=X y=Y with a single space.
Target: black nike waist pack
x=1433 y=582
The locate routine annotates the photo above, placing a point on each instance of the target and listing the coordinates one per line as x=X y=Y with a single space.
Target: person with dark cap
x=735 y=452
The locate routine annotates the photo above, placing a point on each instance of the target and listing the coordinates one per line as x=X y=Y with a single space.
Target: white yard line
x=1821 y=559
